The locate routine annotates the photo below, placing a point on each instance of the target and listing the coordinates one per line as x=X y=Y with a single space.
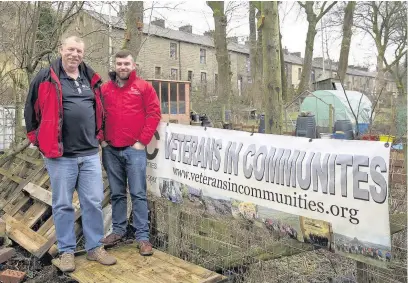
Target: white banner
x=329 y=192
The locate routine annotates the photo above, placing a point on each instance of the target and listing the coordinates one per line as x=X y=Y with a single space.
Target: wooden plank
x=214 y=246
x=27 y=238
x=179 y=263
x=16 y=192
x=398 y=222
x=29 y=159
x=131 y=267
x=213 y=279
x=38 y=193
x=34 y=214
x=9 y=175
x=174 y=228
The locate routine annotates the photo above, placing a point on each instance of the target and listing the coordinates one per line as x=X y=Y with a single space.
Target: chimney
x=285 y=51
x=232 y=39
x=298 y=54
x=186 y=28
x=209 y=33
x=159 y=22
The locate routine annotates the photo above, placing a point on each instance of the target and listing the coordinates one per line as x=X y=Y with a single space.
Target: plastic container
x=362 y=128
x=306 y=126
x=346 y=127
x=387 y=138
x=326 y=136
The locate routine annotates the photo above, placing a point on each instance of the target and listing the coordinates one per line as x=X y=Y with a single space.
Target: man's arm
x=31 y=110
x=153 y=114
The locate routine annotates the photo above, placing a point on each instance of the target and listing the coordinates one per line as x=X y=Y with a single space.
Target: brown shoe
x=111 y=240
x=101 y=255
x=67 y=262
x=145 y=248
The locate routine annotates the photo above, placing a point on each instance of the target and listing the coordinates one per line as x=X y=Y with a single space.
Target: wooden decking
x=131 y=267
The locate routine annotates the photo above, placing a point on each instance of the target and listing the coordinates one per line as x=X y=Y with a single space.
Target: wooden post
x=330 y=118
x=174 y=228
x=363 y=273
x=152 y=220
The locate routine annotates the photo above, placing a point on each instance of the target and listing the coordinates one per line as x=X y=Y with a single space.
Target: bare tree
x=34 y=35
x=134 y=27
x=312 y=20
x=346 y=41
x=272 y=80
x=386 y=23
x=252 y=40
x=221 y=51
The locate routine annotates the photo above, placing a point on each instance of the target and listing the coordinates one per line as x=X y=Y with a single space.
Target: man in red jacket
x=132 y=116
x=63 y=117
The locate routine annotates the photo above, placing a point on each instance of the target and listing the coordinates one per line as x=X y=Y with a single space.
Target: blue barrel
x=346 y=127
x=362 y=128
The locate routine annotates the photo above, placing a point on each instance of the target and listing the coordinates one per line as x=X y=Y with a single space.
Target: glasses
x=78 y=87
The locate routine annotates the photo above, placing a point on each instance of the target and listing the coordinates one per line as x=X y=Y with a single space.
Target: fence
x=7 y=122
x=203 y=231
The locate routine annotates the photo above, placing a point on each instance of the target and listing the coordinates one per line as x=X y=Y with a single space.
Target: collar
x=85 y=72
x=132 y=77
x=64 y=75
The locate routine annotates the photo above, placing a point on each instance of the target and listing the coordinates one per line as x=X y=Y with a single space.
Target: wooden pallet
x=131 y=267
x=26 y=201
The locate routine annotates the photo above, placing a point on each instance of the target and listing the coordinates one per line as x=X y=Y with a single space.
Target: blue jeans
x=124 y=166
x=84 y=173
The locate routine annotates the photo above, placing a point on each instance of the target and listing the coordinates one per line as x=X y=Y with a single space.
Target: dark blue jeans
x=127 y=166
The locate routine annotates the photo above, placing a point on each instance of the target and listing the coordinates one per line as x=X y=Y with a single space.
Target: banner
x=332 y=193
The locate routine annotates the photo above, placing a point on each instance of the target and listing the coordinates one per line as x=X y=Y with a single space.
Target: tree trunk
x=134 y=27
x=379 y=80
x=221 y=51
x=252 y=41
x=272 y=81
x=346 y=41
x=312 y=19
x=285 y=97
x=252 y=53
x=259 y=69
x=308 y=60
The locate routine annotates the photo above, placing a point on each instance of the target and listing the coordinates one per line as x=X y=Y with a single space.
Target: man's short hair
x=74 y=38
x=123 y=54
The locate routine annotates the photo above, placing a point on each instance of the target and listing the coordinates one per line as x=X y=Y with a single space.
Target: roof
x=204 y=40
x=169 y=33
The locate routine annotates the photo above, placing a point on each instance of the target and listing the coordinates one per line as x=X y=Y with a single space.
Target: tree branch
x=325 y=11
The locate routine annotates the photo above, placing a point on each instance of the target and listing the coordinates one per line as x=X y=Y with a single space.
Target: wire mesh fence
x=222 y=237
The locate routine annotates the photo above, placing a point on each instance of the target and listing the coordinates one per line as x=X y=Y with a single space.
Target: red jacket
x=132 y=112
x=43 y=109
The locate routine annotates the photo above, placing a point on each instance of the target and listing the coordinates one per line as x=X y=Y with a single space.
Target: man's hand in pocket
x=139 y=146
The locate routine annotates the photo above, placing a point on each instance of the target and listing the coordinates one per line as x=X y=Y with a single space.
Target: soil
x=37 y=270
x=42 y=270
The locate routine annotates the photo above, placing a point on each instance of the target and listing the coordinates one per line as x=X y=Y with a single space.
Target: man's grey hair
x=73 y=37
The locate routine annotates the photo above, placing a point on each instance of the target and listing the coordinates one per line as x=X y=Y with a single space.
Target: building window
x=157 y=72
x=203 y=56
x=173 y=50
x=216 y=82
x=248 y=65
x=239 y=82
x=299 y=73
x=203 y=77
x=190 y=76
x=173 y=74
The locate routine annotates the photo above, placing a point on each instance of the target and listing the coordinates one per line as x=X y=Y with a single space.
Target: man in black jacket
x=63 y=116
